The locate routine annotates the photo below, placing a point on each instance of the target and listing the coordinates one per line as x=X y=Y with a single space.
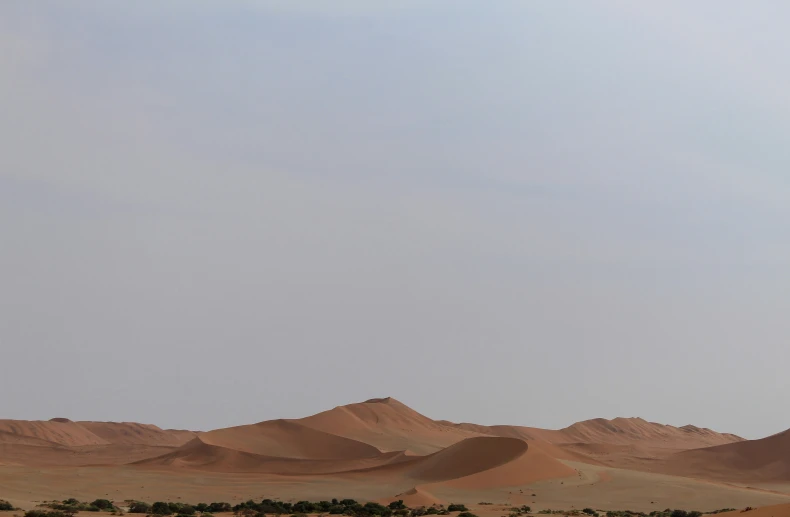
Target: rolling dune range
x=381 y=449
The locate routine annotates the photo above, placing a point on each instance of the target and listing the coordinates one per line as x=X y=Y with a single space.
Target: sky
x=215 y=213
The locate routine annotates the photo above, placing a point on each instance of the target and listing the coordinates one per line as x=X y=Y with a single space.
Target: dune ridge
x=383 y=445
x=763 y=460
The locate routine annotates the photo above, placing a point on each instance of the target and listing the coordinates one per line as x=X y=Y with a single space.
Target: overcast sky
x=216 y=213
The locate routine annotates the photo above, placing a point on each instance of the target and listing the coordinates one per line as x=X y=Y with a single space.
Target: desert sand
x=382 y=450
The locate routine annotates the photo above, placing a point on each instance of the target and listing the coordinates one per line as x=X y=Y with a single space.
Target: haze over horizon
x=219 y=213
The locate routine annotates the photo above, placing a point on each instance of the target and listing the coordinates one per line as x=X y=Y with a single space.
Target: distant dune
x=764 y=460
x=382 y=448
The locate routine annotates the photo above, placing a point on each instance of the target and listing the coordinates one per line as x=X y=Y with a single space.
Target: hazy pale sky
x=216 y=213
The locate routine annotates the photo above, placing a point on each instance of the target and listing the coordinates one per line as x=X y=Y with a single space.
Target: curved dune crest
x=767 y=459
x=478 y=462
x=526 y=464
x=471 y=456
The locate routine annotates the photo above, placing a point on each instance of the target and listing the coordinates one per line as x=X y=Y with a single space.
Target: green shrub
x=139 y=507
x=455 y=507
x=466 y=514
x=590 y=511
x=219 y=507
x=160 y=508
x=5 y=506
x=102 y=504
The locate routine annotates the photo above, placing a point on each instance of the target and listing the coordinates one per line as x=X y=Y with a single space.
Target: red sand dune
x=133 y=433
x=621 y=431
x=64 y=432
x=479 y=462
x=489 y=462
x=200 y=455
x=383 y=443
x=59 y=432
x=618 y=431
x=283 y=438
x=389 y=425
x=765 y=460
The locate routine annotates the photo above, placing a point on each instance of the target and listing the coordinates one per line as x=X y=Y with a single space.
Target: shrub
x=455 y=507
x=397 y=505
x=466 y=514
x=139 y=507
x=102 y=504
x=590 y=511
x=160 y=508
x=219 y=507
x=5 y=506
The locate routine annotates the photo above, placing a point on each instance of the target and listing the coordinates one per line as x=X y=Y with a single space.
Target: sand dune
x=59 y=456
x=197 y=454
x=134 y=433
x=764 y=460
x=283 y=438
x=388 y=425
x=59 y=431
x=618 y=431
x=621 y=431
x=491 y=462
x=381 y=448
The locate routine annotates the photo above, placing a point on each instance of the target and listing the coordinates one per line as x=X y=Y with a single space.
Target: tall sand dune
x=283 y=438
x=388 y=425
